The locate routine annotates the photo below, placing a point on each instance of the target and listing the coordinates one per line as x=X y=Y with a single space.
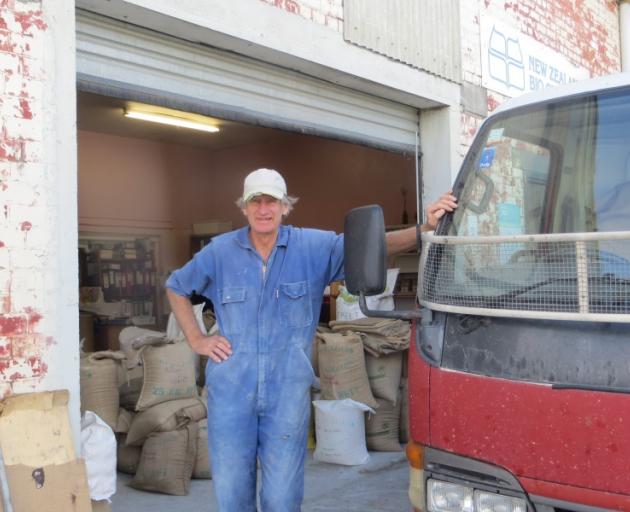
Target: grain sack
x=384 y=375
x=380 y=336
x=201 y=378
x=99 y=384
x=347 y=305
x=404 y=411
x=381 y=428
x=202 y=461
x=342 y=371
x=340 y=432
x=163 y=417
x=132 y=339
x=130 y=383
x=167 y=461
x=174 y=331
x=314 y=356
x=124 y=421
x=127 y=457
x=169 y=374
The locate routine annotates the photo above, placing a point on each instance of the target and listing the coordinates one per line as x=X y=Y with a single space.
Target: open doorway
x=150 y=193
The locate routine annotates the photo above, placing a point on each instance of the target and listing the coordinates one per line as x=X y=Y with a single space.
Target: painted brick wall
x=24 y=215
x=586 y=32
x=324 y=12
x=38 y=256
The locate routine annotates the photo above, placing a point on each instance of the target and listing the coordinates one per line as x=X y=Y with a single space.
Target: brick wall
x=24 y=213
x=585 y=32
x=324 y=12
x=38 y=267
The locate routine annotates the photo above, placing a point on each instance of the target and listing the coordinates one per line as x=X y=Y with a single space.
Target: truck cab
x=519 y=366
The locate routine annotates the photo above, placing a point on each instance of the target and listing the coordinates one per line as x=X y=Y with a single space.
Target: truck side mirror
x=365 y=251
x=365 y=254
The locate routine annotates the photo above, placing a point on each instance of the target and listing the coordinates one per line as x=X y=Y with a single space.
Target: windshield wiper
x=589 y=387
x=608 y=279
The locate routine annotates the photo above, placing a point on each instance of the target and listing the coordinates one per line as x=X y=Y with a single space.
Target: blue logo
x=505 y=60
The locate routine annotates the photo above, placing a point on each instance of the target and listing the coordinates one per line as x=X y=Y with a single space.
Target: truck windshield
x=558 y=167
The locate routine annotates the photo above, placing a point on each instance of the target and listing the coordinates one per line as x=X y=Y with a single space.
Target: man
x=266 y=282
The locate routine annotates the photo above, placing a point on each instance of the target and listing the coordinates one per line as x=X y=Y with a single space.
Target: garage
x=337 y=148
x=152 y=194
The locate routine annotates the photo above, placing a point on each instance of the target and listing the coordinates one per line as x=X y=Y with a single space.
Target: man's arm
x=405 y=239
x=215 y=347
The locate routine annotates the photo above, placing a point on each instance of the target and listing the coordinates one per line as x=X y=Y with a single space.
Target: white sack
x=98 y=449
x=348 y=304
x=340 y=432
x=174 y=331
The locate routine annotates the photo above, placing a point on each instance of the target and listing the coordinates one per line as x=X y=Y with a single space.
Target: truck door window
x=562 y=167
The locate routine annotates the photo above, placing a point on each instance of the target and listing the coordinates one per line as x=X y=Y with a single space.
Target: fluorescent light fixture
x=171 y=120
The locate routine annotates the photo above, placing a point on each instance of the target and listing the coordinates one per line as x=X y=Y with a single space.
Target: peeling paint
x=16 y=376
x=12 y=325
x=25 y=108
x=31 y=19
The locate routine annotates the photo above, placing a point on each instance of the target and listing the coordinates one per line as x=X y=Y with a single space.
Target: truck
x=519 y=361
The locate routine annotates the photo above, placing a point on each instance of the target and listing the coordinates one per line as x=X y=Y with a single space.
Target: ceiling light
x=171 y=120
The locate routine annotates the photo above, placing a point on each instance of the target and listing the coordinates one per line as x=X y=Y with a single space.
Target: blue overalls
x=259 y=399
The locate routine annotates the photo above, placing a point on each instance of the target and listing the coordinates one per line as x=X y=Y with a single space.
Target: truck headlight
x=490 y=502
x=448 y=497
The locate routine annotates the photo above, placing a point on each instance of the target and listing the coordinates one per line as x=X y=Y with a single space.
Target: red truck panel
x=576 y=438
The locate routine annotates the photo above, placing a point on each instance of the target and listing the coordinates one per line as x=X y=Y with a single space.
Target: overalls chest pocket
x=295 y=304
x=233 y=310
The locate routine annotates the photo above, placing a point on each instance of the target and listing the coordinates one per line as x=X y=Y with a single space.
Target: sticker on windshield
x=495 y=135
x=487 y=156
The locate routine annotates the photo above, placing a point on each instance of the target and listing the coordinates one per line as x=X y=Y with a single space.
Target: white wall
x=39 y=339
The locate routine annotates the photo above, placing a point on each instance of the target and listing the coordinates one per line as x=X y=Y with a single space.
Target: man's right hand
x=216 y=347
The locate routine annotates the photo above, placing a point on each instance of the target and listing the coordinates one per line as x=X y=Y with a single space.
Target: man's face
x=264 y=214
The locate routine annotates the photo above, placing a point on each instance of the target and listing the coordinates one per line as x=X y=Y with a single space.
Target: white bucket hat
x=264 y=181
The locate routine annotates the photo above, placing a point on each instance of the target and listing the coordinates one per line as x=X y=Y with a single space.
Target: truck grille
x=577 y=276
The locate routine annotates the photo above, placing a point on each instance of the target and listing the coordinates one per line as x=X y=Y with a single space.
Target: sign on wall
x=513 y=63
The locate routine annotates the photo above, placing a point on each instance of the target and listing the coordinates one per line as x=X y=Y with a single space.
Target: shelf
x=130 y=280
x=405 y=295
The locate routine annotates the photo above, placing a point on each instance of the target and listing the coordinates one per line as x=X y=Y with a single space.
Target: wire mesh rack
x=575 y=276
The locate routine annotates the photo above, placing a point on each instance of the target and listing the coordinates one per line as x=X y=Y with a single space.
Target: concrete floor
x=379 y=485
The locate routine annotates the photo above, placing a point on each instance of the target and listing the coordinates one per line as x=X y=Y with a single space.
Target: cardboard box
x=35 y=429
x=42 y=469
x=50 y=488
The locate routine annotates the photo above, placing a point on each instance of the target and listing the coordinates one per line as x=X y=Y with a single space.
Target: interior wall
x=135 y=186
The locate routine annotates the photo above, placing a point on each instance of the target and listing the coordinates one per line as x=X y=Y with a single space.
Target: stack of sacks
x=385 y=342
x=132 y=339
x=345 y=397
x=161 y=429
x=380 y=336
x=99 y=384
x=342 y=371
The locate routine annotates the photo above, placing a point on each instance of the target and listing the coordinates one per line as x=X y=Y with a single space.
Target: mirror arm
x=407 y=314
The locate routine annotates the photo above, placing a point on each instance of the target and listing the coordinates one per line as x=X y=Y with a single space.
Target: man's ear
x=285 y=210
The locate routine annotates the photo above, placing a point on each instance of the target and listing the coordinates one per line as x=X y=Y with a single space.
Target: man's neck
x=263 y=243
